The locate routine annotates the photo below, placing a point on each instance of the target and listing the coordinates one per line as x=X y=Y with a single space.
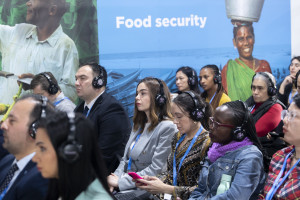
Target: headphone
x=160 y=98
x=197 y=113
x=53 y=88
x=70 y=149
x=217 y=77
x=35 y=124
x=239 y=132
x=192 y=79
x=98 y=81
x=271 y=88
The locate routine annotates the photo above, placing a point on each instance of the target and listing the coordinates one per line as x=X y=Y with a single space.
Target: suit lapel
x=97 y=102
x=5 y=168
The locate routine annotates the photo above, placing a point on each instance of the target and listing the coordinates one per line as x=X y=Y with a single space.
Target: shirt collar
x=90 y=105
x=51 y=40
x=23 y=162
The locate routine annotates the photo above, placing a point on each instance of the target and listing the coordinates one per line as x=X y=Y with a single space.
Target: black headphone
x=53 y=88
x=239 y=132
x=35 y=124
x=98 y=81
x=70 y=149
x=192 y=79
x=217 y=77
x=160 y=99
x=271 y=88
x=197 y=113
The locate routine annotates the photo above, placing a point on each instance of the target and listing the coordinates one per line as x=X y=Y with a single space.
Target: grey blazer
x=149 y=155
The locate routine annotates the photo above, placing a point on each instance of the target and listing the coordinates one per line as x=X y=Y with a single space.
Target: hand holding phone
x=134 y=175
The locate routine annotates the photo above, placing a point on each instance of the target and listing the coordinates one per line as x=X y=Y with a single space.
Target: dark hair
x=157 y=113
x=247 y=25
x=190 y=72
x=294 y=58
x=239 y=112
x=74 y=177
x=185 y=102
x=296 y=79
x=35 y=114
x=296 y=100
x=96 y=70
x=220 y=89
x=41 y=80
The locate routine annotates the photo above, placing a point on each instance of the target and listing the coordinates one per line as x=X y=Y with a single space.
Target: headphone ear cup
x=238 y=133
x=271 y=91
x=53 y=89
x=191 y=81
x=217 y=79
x=160 y=100
x=98 y=82
x=197 y=114
x=69 y=152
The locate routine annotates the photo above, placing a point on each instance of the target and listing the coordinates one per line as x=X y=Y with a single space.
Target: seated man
x=110 y=119
x=45 y=84
x=19 y=176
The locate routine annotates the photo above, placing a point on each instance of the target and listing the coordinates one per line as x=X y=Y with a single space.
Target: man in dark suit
x=110 y=118
x=19 y=177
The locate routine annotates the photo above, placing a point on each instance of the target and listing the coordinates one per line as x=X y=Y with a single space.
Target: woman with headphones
x=211 y=82
x=189 y=147
x=148 y=147
x=233 y=168
x=187 y=80
x=67 y=153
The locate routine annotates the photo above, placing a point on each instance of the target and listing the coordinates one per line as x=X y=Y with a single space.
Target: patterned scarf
x=218 y=150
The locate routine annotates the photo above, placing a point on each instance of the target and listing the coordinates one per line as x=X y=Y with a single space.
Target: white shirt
x=90 y=105
x=21 y=165
x=22 y=52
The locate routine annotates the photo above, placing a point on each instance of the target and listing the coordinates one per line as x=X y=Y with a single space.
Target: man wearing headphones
x=45 y=84
x=19 y=176
x=110 y=118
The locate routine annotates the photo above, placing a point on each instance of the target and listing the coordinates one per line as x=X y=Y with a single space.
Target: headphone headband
x=35 y=124
x=197 y=113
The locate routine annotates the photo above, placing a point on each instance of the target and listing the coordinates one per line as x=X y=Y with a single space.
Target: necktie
x=85 y=111
x=8 y=177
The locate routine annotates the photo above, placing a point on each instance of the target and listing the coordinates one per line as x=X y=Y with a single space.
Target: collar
x=90 y=105
x=51 y=40
x=59 y=97
x=23 y=162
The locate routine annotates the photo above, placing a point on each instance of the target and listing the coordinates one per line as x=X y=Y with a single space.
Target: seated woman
x=237 y=73
x=286 y=87
x=234 y=167
x=149 y=144
x=211 y=82
x=67 y=153
x=186 y=80
x=283 y=177
x=266 y=110
x=189 y=147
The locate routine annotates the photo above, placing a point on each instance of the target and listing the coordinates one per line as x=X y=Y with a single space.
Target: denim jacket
x=244 y=165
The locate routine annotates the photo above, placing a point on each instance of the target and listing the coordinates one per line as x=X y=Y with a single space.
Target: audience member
x=39 y=46
x=149 y=145
x=186 y=80
x=287 y=89
x=283 y=177
x=297 y=82
x=110 y=119
x=68 y=154
x=45 y=84
x=237 y=74
x=19 y=177
x=266 y=111
x=234 y=167
x=211 y=82
x=189 y=148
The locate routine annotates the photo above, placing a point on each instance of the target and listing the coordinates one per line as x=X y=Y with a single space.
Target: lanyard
x=88 y=112
x=276 y=185
x=291 y=97
x=58 y=102
x=185 y=154
x=3 y=193
x=130 y=159
x=212 y=98
x=252 y=108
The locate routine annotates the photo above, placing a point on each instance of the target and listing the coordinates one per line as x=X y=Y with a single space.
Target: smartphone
x=134 y=175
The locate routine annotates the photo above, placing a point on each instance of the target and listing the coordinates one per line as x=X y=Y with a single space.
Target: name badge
x=167 y=197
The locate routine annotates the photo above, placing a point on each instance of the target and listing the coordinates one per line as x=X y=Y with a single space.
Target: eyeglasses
x=290 y=115
x=214 y=124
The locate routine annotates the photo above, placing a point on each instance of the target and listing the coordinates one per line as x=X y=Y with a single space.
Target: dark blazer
x=29 y=185
x=113 y=128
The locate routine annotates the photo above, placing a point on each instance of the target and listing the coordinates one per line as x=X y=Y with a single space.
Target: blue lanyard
x=58 y=102
x=3 y=193
x=252 y=108
x=291 y=98
x=212 y=98
x=88 y=112
x=276 y=185
x=185 y=154
x=130 y=159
